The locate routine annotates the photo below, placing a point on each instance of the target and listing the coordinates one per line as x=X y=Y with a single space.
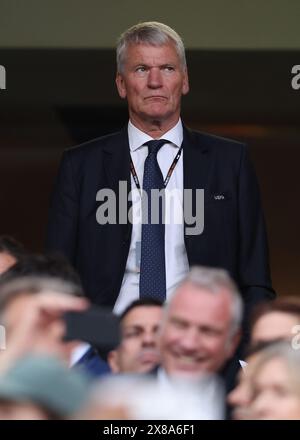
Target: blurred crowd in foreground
x=181 y=360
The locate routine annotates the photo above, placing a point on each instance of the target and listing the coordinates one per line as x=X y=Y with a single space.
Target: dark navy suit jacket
x=234 y=235
x=92 y=364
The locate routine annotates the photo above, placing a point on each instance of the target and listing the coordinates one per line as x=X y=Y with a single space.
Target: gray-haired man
x=121 y=257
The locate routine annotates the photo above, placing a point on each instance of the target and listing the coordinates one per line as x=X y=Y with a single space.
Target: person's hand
x=42 y=312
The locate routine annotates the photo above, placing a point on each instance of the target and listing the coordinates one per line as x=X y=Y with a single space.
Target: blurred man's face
x=6 y=261
x=48 y=341
x=138 y=351
x=276 y=397
x=153 y=81
x=273 y=326
x=195 y=335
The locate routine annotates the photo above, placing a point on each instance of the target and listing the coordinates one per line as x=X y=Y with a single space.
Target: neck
x=154 y=128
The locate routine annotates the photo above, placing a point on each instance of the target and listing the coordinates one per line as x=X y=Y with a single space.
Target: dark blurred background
x=60 y=66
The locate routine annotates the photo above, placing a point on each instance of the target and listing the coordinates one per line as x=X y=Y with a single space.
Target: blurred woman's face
x=275 y=396
x=240 y=397
x=274 y=326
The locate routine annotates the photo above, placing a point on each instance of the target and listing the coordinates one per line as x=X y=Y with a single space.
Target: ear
x=185 y=85
x=121 y=85
x=112 y=360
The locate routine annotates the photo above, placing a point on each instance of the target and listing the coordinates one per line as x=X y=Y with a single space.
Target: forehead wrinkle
x=155 y=59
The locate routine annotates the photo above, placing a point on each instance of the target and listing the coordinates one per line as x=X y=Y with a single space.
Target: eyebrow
x=132 y=326
x=179 y=320
x=141 y=64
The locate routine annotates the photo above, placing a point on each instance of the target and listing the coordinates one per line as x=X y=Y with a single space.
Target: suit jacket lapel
x=196 y=165
x=117 y=169
x=195 y=161
x=117 y=160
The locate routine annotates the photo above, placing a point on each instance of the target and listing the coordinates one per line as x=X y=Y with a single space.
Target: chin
x=146 y=368
x=157 y=111
x=156 y=117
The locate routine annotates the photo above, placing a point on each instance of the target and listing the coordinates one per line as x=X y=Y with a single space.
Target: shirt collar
x=137 y=137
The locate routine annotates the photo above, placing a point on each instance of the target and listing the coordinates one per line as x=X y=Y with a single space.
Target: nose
x=191 y=341
x=154 y=78
x=150 y=338
x=239 y=396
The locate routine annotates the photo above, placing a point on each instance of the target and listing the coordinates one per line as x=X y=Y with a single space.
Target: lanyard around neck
x=168 y=176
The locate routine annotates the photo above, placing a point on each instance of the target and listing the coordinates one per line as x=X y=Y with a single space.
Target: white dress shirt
x=78 y=352
x=175 y=253
x=203 y=397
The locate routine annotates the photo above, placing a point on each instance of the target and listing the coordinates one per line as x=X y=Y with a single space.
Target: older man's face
x=153 y=81
x=195 y=336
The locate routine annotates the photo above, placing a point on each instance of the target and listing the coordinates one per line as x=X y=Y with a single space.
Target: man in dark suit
x=118 y=259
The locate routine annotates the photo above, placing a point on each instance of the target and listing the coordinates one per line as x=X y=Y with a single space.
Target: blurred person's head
x=40 y=387
x=275 y=320
x=42 y=265
x=201 y=325
x=138 y=350
x=276 y=384
x=16 y=297
x=241 y=396
x=10 y=252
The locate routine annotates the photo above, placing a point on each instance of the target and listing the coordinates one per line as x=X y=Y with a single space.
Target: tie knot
x=154 y=146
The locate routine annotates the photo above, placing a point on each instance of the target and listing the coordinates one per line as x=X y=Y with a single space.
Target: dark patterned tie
x=152 y=269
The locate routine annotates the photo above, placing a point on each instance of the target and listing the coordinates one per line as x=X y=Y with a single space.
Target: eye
x=211 y=332
x=141 y=69
x=281 y=391
x=132 y=333
x=168 y=68
x=179 y=324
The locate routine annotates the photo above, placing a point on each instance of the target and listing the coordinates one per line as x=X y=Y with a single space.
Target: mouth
x=189 y=362
x=149 y=357
x=241 y=414
x=155 y=98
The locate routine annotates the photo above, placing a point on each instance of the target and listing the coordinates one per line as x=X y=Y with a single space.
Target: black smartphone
x=97 y=326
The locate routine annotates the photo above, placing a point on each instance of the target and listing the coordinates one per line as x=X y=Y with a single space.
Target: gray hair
x=32 y=285
x=289 y=356
x=213 y=280
x=152 y=33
